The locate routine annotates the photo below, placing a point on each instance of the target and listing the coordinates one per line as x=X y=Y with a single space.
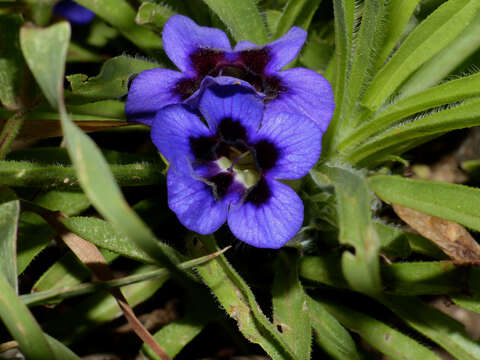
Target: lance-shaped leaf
x=11 y=61
x=290 y=307
x=9 y=217
x=238 y=300
x=379 y=335
x=356 y=228
x=432 y=35
x=296 y=13
x=242 y=18
x=452 y=202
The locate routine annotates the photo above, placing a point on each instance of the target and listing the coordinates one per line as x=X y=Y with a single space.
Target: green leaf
x=361 y=72
x=112 y=81
x=439 y=327
x=330 y=335
x=60 y=293
x=447 y=93
x=22 y=325
x=431 y=36
x=68 y=202
x=403 y=137
x=356 y=229
x=77 y=53
x=153 y=14
x=382 y=337
x=45 y=51
x=34 y=235
x=399 y=13
x=272 y=17
x=9 y=217
x=290 y=308
x=440 y=66
x=28 y=174
x=296 y=13
x=101 y=308
x=472 y=167
x=317 y=53
x=238 y=301
x=67 y=273
x=394 y=242
x=121 y=15
x=242 y=18
x=452 y=202
x=344 y=11
x=104 y=235
x=11 y=61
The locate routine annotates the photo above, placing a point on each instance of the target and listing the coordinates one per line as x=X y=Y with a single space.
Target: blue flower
x=226 y=165
x=74 y=13
x=203 y=52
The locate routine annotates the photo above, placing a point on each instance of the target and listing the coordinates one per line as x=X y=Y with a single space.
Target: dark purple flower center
x=247 y=65
x=246 y=161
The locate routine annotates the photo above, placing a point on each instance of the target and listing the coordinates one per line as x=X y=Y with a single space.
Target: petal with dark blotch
x=150 y=91
x=297 y=140
x=305 y=92
x=172 y=131
x=193 y=203
x=235 y=101
x=182 y=37
x=269 y=224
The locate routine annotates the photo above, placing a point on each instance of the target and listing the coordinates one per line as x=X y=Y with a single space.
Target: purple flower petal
x=74 y=13
x=285 y=49
x=297 y=140
x=193 y=203
x=171 y=132
x=246 y=45
x=150 y=91
x=307 y=93
x=182 y=37
x=237 y=102
x=271 y=224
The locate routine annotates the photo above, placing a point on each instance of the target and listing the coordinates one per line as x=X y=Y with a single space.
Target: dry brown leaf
x=452 y=238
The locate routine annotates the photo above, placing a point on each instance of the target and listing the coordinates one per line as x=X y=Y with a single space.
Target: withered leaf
x=452 y=238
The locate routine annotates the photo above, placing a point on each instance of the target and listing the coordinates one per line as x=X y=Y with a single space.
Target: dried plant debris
x=451 y=237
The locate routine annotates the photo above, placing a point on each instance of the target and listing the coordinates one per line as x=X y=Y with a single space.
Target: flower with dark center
x=204 y=53
x=226 y=165
x=73 y=12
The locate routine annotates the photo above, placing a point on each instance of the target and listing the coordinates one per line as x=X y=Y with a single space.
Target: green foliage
x=403 y=73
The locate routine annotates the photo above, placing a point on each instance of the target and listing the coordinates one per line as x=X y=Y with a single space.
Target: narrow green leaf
x=394 y=242
x=447 y=93
x=379 y=335
x=272 y=17
x=112 y=81
x=356 y=229
x=440 y=66
x=368 y=40
x=34 y=235
x=101 y=308
x=9 y=217
x=61 y=351
x=452 y=202
x=344 y=11
x=439 y=327
x=77 y=53
x=45 y=51
x=60 y=293
x=242 y=18
x=330 y=335
x=290 y=308
x=317 y=53
x=239 y=302
x=431 y=36
x=399 y=13
x=296 y=13
x=104 y=235
x=121 y=15
x=403 y=137
x=67 y=273
x=22 y=325
x=28 y=174
x=68 y=202
x=11 y=61
x=153 y=14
